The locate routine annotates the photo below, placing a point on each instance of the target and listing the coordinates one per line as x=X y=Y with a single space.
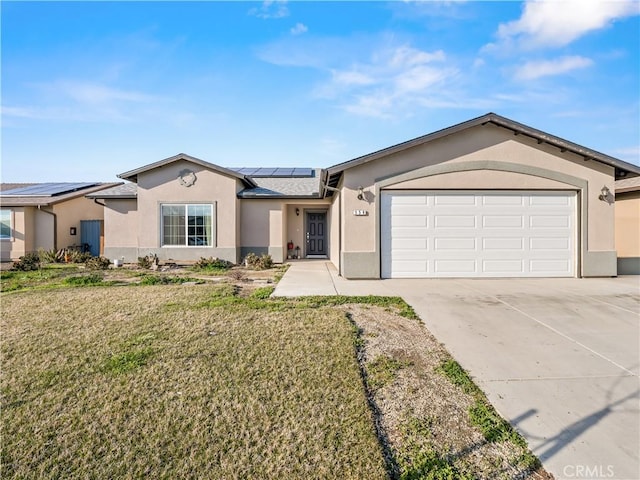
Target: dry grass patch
x=161 y=382
x=433 y=422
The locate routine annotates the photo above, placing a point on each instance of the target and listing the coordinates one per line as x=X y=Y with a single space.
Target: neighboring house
x=489 y=197
x=628 y=225
x=49 y=216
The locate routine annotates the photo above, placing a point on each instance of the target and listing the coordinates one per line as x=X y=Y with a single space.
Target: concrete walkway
x=559 y=358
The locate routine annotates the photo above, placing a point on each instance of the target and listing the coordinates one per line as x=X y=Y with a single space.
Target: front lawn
x=186 y=380
x=156 y=382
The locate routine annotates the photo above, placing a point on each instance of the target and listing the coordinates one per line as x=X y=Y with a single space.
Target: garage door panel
x=550 y=243
x=502 y=221
x=454 y=243
x=399 y=210
x=454 y=266
x=502 y=200
x=502 y=243
x=478 y=234
x=536 y=200
x=408 y=232
x=409 y=221
x=400 y=244
x=409 y=266
x=410 y=200
x=503 y=266
x=465 y=200
x=454 y=221
x=558 y=265
x=549 y=221
x=411 y=255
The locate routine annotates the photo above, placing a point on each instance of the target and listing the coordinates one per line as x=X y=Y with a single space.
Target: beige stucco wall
x=627 y=229
x=295 y=226
x=22 y=240
x=43 y=229
x=33 y=228
x=268 y=225
x=261 y=223
x=161 y=186
x=69 y=214
x=481 y=144
x=474 y=180
x=120 y=223
x=334 y=231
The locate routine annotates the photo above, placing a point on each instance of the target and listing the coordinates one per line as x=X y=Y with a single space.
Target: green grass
x=458 y=376
x=83 y=280
x=494 y=428
x=150 y=279
x=382 y=371
x=149 y=382
x=262 y=293
x=50 y=276
x=418 y=460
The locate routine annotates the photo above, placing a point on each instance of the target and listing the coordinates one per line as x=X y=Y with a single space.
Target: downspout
x=55 y=227
x=95 y=200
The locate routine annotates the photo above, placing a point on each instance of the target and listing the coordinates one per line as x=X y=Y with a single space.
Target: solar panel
x=47 y=189
x=303 y=172
x=281 y=172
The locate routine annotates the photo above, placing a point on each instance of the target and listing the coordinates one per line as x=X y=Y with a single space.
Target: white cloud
x=631 y=154
x=299 y=29
x=394 y=78
x=553 y=23
x=352 y=78
x=545 y=68
x=271 y=9
x=93 y=93
x=378 y=106
x=76 y=100
x=406 y=57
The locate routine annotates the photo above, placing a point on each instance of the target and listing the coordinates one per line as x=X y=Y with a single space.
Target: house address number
x=360 y=213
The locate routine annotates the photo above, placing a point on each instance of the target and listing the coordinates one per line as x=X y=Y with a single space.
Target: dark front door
x=317 y=233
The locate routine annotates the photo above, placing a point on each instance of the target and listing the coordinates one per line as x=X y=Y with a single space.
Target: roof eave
x=6 y=201
x=275 y=197
x=493 y=118
x=132 y=175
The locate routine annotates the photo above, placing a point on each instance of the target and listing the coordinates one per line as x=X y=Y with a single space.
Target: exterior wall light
x=605 y=194
x=360 y=193
x=297 y=212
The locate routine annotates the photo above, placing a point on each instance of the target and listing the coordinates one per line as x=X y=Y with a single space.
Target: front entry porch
x=307 y=231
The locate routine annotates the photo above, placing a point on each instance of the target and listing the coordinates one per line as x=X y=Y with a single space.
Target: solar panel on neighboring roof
x=46 y=189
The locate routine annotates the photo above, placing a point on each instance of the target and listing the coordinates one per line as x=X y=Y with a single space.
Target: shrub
x=97 y=263
x=50 y=256
x=256 y=262
x=147 y=261
x=237 y=274
x=212 y=263
x=28 y=262
x=76 y=256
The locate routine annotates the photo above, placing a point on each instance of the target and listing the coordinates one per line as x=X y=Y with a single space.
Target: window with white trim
x=5 y=224
x=189 y=225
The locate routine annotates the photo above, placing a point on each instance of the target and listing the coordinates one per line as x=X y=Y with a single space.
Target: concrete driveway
x=559 y=358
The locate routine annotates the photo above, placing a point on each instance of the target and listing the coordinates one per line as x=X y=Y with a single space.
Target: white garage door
x=478 y=234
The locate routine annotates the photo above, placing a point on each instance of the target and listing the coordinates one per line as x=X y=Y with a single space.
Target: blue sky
x=92 y=89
